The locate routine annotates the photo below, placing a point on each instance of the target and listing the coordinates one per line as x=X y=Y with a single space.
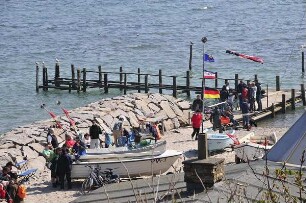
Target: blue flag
x=209 y=58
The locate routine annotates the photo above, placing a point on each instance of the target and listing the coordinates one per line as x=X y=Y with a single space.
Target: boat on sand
x=217 y=141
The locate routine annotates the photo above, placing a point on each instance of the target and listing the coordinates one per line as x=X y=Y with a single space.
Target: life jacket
x=22 y=191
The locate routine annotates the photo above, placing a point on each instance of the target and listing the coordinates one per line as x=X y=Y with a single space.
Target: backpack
x=22 y=191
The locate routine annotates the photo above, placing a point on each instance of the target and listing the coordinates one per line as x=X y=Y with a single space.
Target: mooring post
x=69 y=87
x=236 y=80
x=190 y=56
x=303 y=94
x=277 y=83
x=57 y=74
x=283 y=103
x=272 y=110
x=84 y=80
x=125 y=84
x=303 y=64
x=255 y=78
x=146 y=84
x=188 y=83
x=202 y=146
x=78 y=80
x=160 y=81
x=37 y=77
x=121 y=77
x=292 y=99
x=100 y=75
x=44 y=79
x=139 y=85
x=174 y=87
x=72 y=76
x=216 y=79
x=267 y=95
x=105 y=83
x=47 y=82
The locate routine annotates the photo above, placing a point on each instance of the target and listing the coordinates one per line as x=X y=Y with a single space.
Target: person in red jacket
x=196 y=120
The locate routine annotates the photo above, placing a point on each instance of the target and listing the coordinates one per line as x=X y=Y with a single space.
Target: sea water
x=146 y=34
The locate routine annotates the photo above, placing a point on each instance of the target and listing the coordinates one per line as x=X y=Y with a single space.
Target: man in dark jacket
x=258 y=95
x=64 y=165
x=197 y=104
x=94 y=132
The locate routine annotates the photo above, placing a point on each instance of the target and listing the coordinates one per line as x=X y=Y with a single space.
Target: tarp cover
x=290 y=147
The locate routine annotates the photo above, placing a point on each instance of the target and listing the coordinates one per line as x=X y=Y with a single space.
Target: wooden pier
x=274 y=101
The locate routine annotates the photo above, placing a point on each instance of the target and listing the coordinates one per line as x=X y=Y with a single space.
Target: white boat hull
x=219 y=141
x=130 y=167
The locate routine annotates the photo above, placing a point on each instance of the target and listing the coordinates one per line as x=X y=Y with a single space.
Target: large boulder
x=29 y=153
x=37 y=147
x=39 y=163
x=166 y=107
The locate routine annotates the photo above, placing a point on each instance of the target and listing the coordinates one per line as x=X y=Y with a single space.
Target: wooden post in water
x=125 y=84
x=277 y=83
x=272 y=110
x=84 y=80
x=73 y=76
x=139 y=85
x=283 y=103
x=44 y=78
x=216 y=80
x=100 y=75
x=303 y=64
x=255 y=78
x=188 y=83
x=292 y=99
x=146 y=84
x=105 y=83
x=57 y=75
x=78 y=80
x=190 y=56
x=236 y=80
x=303 y=94
x=267 y=95
x=69 y=88
x=47 y=82
x=174 y=87
x=121 y=77
x=160 y=81
x=37 y=77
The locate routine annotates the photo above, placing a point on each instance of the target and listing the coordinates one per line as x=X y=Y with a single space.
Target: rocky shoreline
x=26 y=141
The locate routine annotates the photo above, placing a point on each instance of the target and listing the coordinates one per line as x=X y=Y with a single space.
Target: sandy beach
x=40 y=189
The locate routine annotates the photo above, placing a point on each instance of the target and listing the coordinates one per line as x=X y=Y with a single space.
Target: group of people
x=10 y=190
x=245 y=96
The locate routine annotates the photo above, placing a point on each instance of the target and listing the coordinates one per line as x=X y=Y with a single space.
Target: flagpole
x=204 y=40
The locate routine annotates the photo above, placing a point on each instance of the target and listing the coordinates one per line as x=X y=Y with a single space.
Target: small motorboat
x=253 y=147
x=128 y=166
x=217 y=141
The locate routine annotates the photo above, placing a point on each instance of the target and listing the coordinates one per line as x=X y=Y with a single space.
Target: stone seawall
x=27 y=141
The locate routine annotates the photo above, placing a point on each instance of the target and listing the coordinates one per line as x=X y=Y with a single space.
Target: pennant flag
x=209 y=75
x=252 y=58
x=209 y=58
x=210 y=93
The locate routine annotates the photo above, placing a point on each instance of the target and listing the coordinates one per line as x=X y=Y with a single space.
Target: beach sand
x=40 y=189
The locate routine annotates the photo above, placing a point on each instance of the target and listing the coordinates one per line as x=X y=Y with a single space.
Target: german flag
x=210 y=93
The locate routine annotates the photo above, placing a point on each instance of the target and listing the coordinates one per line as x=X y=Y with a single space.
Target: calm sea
x=146 y=34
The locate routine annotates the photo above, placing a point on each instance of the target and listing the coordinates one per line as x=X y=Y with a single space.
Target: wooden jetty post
x=277 y=83
x=120 y=77
x=267 y=95
x=255 y=77
x=57 y=75
x=190 y=56
x=160 y=81
x=78 y=80
x=37 y=77
x=100 y=75
x=125 y=84
x=139 y=86
x=174 y=87
x=45 y=79
x=84 y=80
x=292 y=99
x=303 y=94
x=146 y=84
x=283 y=103
x=72 y=77
x=216 y=80
x=105 y=83
x=236 y=80
x=303 y=64
x=69 y=90
x=188 y=83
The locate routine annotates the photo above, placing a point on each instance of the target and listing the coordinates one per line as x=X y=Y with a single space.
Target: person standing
x=118 y=129
x=215 y=119
x=64 y=166
x=53 y=167
x=197 y=104
x=239 y=91
x=258 y=95
x=223 y=97
x=245 y=113
x=196 y=120
x=52 y=139
x=94 y=132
